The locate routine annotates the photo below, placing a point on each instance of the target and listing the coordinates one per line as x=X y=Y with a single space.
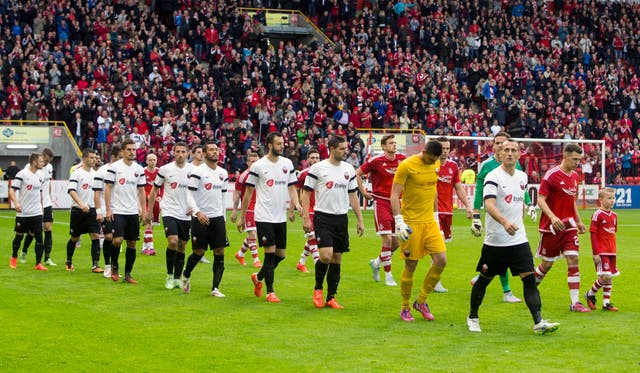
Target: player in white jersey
x=273 y=179
x=83 y=212
x=174 y=179
x=196 y=159
x=505 y=245
x=47 y=174
x=206 y=201
x=98 y=200
x=28 y=204
x=334 y=183
x=125 y=202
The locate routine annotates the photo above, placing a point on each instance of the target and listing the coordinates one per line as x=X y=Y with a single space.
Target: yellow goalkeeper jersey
x=419 y=182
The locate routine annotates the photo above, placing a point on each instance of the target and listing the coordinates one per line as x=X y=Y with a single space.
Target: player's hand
x=532 y=212
x=476 y=225
x=18 y=207
x=306 y=225
x=85 y=208
x=367 y=195
x=109 y=216
x=402 y=229
x=240 y=223
x=581 y=228
x=158 y=199
x=510 y=227
x=360 y=228
x=99 y=217
x=469 y=213
x=596 y=259
x=202 y=218
x=234 y=216
x=292 y=215
x=558 y=225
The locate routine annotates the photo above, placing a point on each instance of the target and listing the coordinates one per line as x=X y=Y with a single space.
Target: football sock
x=573 y=280
x=313 y=248
x=106 y=251
x=192 y=261
x=606 y=293
x=540 y=272
x=377 y=261
x=148 y=238
x=406 y=283
x=253 y=248
x=277 y=260
x=477 y=295
x=48 y=243
x=95 y=251
x=266 y=272
x=321 y=271
x=170 y=260
x=532 y=297
x=179 y=264
x=130 y=255
x=430 y=281
x=16 y=245
x=385 y=258
x=597 y=285
x=305 y=253
x=333 y=279
x=115 y=254
x=39 y=250
x=504 y=281
x=218 y=270
x=71 y=247
x=27 y=242
x=244 y=247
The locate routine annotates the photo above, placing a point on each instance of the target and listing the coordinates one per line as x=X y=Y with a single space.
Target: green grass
x=81 y=321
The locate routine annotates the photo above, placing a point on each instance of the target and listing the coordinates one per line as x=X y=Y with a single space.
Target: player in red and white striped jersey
x=604 y=225
x=381 y=170
x=560 y=223
x=249 y=242
x=311 y=244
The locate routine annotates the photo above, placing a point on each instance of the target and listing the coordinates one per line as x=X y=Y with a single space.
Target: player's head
x=498 y=140
x=116 y=153
x=275 y=143
x=129 y=149
x=35 y=160
x=47 y=155
x=571 y=157
x=197 y=153
x=89 y=157
x=388 y=144
x=338 y=148
x=181 y=152
x=211 y=153
x=152 y=160
x=510 y=153
x=252 y=157
x=607 y=198
x=432 y=152
x=313 y=156
x=446 y=147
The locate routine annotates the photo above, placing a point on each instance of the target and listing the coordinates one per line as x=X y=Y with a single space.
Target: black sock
x=321 y=271
x=192 y=261
x=106 y=251
x=278 y=259
x=171 y=259
x=477 y=295
x=95 y=251
x=130 y=255
x=218 y=270
x=71 y=248
x=179 y=264
x=39 y=249
x=267 y=271
x=16 y=245
x=48 y=243
x=115 y=254
x=532 y=297
x=333 y=279
x=27 y=243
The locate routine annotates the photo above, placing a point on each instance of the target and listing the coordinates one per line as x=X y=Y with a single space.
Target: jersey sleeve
x=293 y=179
x=159 y=178
x=252 y=178
x=365 y=167
x=402 y=173
x=16 y=183
x=110 y=176
x=225 y=175
x=353 y=183
x=490 y=189
x=301 y=177
x=194 y=181
x=142 y=179
x=72 y=185
x=593 y=227
x=545 y=188
x=479 y=192
x=311 y=180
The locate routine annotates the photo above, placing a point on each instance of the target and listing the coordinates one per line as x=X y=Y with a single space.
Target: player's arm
x=402 y=229
x=149 y=205
x=294 y=203
x=359 y=175
x=142 y=201
x=355 y=206
x=581 y=227
x=558 y=225
x=12 y=197
x=396 y=192
x=97 y=193
x=477 y=198
x=108 y=187
x=305 y=201
x=462 y=196
x=246 y=200
x=235 y=205
x=492 y=209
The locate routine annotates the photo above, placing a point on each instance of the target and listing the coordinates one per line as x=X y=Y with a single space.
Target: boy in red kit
x=150 y=174
x=604 y=225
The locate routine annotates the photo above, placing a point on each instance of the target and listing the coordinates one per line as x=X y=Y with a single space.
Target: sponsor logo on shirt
x=85 y=186
x=271 y=182
x=29 y=187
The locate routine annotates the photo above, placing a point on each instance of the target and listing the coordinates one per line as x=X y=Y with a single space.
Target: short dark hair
x=115 y=150
x=386 y=138
x=313 y=150
x=272 y=136
x=503 y=134
x=34 y=157
x=572 y=148
x=183 y=144
x=127 y=142
x=253 y=154
x=195 y=148
x=48 y=152
x=210 y=142
x=335 y=140
x=442 y=139
x=86 y=152
x=433 y=147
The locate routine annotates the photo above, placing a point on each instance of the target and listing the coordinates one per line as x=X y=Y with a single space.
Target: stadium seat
x=636 y=180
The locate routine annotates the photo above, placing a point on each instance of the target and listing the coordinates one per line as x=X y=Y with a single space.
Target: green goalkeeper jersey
x=486 y=167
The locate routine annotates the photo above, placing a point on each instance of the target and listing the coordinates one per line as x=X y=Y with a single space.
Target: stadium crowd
x=165 y=71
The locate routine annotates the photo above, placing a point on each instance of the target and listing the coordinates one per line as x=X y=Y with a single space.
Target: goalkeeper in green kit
x=476 y=224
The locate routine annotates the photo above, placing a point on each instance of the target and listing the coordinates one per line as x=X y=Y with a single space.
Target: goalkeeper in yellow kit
x=416 y=223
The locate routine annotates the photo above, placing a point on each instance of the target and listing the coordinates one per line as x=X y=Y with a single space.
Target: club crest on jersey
x=208 y=186
x=29 y=187
x=508 y=198
x=329 y=184
x=523 y=186
x=346 y=176
x=285 y=171
x=221 y=177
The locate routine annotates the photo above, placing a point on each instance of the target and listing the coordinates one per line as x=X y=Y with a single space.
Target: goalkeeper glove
x=402 y=229
x=532 y=212
x=476 y=225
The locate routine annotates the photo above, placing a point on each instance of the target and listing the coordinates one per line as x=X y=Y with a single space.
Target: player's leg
x=333 y=280
x=48 y=235
x=488 y=266
x=147 y=244
x=573 y=282
x=607 y=288
x=219 y=241
x=107 y=247
x=549 y=250
x=116 y=242
x=71 y=247
x=95 y=252
x=385 y=226
x=132 y=236
x=253 y=248
x=590 y=295
x=199 y=244
x=406 y=285
x=17 y=240
x=321 y=269
x=25 y=248
x=179 y=262
x=171 y=256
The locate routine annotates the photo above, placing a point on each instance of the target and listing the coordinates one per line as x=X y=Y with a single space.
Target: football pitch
x=81 y=321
